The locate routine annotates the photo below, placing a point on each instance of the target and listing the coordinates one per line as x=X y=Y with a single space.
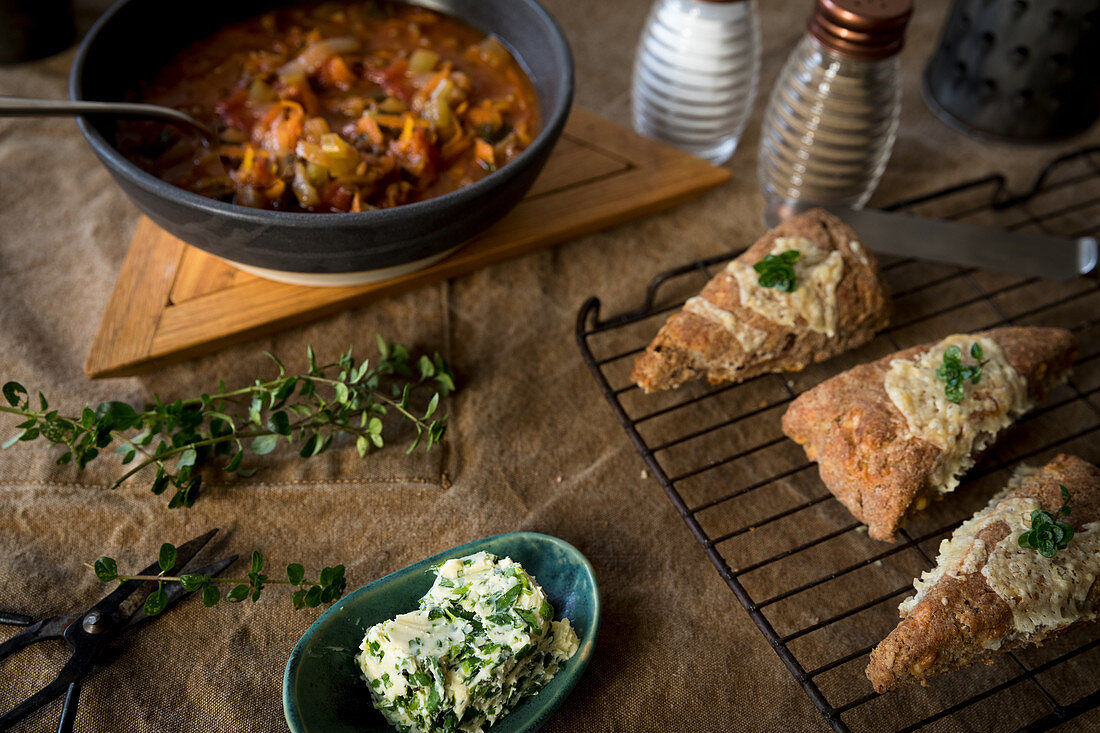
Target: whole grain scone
x=987 y=593
x=887 y=436
x=736 y=329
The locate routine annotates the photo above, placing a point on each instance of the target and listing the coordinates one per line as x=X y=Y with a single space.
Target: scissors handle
x=68 y=708
x=48 y=628
x=71 y=673
x=87 y=633
x=15 y=619
x=78 y=664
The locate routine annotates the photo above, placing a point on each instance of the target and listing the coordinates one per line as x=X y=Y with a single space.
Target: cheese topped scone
x=895 y=434
x=483 y=638
x=993 y=590
x=804 y=292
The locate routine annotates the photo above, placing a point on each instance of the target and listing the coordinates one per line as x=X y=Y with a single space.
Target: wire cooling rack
x=822 y=592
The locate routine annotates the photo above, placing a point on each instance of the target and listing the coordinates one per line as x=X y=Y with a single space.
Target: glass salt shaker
x=832 y=117
x=695 y=74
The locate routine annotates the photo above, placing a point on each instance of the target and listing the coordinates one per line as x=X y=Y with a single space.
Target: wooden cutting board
x=173 y=301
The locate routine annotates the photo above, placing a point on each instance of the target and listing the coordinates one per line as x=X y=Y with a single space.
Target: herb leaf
x=211 y=594
x=16 y=394
x=506 y=599
x=1047 y=535
x=106 y=569
x=777 y=271
x=529 y=618
x=156 y=602
x=954 y=374
x=167 y=557
x=192 y=582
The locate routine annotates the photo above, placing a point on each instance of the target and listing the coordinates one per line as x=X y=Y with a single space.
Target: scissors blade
x=184 y=553
x=176 y=593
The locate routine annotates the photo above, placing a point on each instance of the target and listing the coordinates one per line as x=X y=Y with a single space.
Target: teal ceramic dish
x=323 y=691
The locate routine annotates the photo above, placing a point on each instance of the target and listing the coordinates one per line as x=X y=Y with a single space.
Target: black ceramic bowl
x=136 y=37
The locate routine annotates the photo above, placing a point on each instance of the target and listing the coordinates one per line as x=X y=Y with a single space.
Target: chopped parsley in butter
x=817 y=273
x=483 y=638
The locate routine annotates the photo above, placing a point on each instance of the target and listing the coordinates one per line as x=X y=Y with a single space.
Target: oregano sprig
x=777 y=271
x=307 y=410
x=954 y=374
x=329 y=586
x=1048 y=535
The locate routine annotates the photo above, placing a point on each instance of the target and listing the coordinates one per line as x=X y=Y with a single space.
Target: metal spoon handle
x=30 y=107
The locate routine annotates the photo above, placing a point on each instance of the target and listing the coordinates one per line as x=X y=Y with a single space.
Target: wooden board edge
x=146 y=276
x=344 y=298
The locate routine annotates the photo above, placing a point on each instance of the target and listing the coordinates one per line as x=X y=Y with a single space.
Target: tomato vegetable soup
x=338 y=107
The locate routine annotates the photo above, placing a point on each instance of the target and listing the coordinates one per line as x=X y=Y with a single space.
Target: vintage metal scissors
x=91 y=632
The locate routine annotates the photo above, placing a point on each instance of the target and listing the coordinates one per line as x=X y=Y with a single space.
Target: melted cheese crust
x=817 y=273
x=750 y=338
x=1045 y=594
x=961 y=430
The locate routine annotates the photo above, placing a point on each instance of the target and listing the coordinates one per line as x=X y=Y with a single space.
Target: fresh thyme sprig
x=1048 y=535
x=954 y=374
x=308 y=410
x=328 y=588
x=777 y=271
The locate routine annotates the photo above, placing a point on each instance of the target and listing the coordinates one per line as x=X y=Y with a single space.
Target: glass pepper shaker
x=832 y=117
x=695 y=74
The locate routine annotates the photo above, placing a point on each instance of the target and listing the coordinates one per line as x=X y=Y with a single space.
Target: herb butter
x=1045 y=594
x=483 y=637
x=817 y=273
x=961 y=430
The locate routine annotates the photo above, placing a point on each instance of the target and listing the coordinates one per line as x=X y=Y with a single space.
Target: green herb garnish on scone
x=954 y=374
x=1048 y=535
x=483 y=638
x=777 y=271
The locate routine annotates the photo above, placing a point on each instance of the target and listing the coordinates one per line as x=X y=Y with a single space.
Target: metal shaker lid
x=861 y=29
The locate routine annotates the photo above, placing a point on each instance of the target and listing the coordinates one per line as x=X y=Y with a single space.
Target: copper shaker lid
x=861 y=29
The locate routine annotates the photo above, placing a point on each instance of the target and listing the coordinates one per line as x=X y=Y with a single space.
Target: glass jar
x=695 y=74
x=832 y=118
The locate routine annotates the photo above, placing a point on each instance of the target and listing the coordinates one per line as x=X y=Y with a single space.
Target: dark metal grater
x=1017 y=70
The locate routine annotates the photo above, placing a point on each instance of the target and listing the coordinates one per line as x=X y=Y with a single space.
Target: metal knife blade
x=969 y=245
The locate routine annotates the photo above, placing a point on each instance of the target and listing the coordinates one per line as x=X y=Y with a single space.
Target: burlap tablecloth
x=531 y=443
